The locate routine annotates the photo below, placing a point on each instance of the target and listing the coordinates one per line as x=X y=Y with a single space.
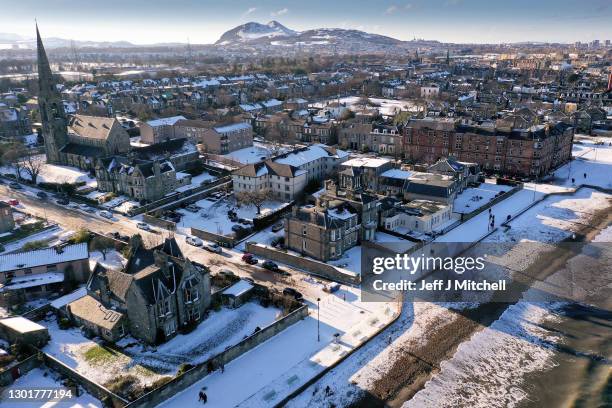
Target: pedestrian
x=203 y=398
x=222 y=368
x=584 y=175
x=573 y=180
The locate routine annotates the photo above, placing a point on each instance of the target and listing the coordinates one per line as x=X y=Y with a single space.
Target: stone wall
x=308 y=265
x=223 y=240
x=6 y=376
x=93 y=388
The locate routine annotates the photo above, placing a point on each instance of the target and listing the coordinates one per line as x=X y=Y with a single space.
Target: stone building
x=156 y=294
x=142 y=180
x=227 y=138
x=81 y=140
x=340 y=219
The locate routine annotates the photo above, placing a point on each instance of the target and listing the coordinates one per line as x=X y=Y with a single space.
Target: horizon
x=203 y=23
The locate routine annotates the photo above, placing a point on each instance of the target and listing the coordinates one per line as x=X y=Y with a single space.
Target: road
x=74 y=219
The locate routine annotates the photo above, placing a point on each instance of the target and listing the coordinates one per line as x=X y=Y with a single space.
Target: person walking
x=203 y=398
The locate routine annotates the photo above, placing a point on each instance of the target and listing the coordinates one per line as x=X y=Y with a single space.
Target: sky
x=203 y=22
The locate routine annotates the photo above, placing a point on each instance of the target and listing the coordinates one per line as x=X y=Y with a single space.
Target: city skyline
x=458 y=21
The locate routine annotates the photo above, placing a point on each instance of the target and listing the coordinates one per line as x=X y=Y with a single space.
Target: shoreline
x=408 y=373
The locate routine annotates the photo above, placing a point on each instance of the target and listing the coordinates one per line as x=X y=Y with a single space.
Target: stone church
x=100 y=145
x=79 y=140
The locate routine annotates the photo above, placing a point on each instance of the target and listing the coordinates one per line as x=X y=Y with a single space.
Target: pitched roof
x=89 y=309
x=93 y=127
x=40 y=257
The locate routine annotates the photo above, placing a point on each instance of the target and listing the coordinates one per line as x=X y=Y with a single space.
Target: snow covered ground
x=385 y=106
x=554 y=218
x=218 y=331
x=50 y=236
x=213 y=215
x=71 y=347
x=272 y=370
x=489 y=369
x=197 y=181
x=473 y=198
x=52 y=173
x=40 y=378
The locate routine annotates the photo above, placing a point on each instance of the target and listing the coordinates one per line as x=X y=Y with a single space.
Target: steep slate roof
x=93 y=127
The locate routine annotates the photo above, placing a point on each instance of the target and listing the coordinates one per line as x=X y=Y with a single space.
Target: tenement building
x=532 y=151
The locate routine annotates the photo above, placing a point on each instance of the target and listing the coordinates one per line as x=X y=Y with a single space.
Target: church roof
x=92 y=127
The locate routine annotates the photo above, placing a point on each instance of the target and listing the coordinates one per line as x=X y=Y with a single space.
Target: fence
x=264 y=220
x=198 y=372
x=308 y=265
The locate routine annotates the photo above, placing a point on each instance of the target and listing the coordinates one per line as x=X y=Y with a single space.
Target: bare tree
x=102 y=244
x=256 y=198
x=13 y=158
x=32 y=164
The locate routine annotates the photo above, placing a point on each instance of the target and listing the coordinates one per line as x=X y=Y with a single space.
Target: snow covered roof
x=309 y=154
x=30 y=281
x=21 y=324
x=239 y=288
x=366 y=162
x=271 y=102
x=69 y=298
x=234 y=127
x=40 y=257
x=397 y=174
x=165 y=121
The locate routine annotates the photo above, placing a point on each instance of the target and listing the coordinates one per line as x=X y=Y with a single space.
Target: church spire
x=44 y=68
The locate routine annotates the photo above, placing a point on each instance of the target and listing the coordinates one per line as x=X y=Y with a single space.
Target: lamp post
x=318 y=319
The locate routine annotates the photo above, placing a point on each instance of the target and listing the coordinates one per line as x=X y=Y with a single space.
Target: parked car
x=293 y=293
x=15 y=186
x=244 y=221
x=269 y=265
x=63 y=201
x=195 y=241
x=192 y=208
x=106 y=214
x=13 y=202
x=278 y=227
x=213 y=247
x=41 y=194
x=250 y=259
x=331 y=287
x=86 y=208
x=237 y=228
x=143 y=226
x=73 y=205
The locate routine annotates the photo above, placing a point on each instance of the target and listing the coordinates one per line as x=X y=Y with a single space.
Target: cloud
x=391 y=9
x=249 y=11
x=280 y=12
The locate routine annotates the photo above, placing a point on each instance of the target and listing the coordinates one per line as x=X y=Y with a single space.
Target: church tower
x=54 y=121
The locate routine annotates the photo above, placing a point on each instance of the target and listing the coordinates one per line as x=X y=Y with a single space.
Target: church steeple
x=53 y=117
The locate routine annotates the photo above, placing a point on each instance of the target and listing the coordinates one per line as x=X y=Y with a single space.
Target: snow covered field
x=39 y=378
x=385 y=106
x=473 y=198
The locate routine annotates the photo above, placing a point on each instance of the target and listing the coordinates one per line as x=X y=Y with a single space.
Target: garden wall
x=308 y=265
